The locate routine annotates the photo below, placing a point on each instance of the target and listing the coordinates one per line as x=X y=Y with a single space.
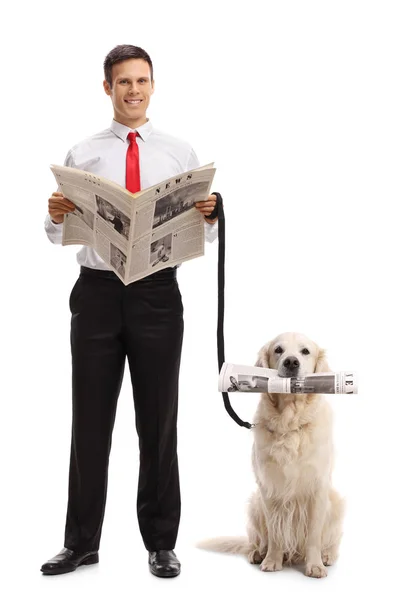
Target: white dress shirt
x=161 y=156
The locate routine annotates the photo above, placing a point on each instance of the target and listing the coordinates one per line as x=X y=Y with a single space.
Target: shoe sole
x=169 y=575
x=90 y=560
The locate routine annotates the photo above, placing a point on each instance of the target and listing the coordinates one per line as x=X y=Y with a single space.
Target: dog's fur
x=295 y=515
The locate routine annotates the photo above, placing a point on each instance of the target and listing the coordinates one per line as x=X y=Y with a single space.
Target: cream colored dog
x=295 y=515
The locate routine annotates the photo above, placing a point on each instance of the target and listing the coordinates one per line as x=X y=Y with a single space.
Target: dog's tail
x=231 y=545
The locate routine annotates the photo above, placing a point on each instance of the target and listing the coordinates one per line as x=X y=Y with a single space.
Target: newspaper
x=136 y=234
x=241 y=378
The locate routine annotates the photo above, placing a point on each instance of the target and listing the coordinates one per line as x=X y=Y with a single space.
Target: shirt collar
x=122 y=131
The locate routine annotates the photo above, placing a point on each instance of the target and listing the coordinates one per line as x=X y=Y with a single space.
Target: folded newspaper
x=241 y=378
x=136 y=234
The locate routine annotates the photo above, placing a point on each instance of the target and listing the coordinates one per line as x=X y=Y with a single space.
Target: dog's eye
x=279 y=350
x=305 y=351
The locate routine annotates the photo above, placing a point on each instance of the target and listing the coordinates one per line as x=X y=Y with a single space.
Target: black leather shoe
x=163 y=563
x=67 y=561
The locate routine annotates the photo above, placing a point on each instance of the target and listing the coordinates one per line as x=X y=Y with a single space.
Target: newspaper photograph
x=136 y=234
x=240 y=378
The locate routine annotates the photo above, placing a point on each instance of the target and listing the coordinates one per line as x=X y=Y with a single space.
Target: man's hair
x=121 y=53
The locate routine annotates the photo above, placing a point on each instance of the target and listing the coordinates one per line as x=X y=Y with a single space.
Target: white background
x=297 y=103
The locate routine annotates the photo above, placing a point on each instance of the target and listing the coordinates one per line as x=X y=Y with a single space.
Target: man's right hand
x=59 y=206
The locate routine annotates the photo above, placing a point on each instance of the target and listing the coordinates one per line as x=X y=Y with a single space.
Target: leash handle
x=221 y=306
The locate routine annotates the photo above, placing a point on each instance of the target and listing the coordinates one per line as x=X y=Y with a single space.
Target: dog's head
x=293 y=355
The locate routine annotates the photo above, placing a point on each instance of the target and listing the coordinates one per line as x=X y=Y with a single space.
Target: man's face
x=131 y=91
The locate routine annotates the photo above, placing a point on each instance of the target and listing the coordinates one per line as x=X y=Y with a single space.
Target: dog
x=295 y=516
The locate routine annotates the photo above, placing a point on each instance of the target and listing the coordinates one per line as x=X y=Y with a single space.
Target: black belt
x=168 y=273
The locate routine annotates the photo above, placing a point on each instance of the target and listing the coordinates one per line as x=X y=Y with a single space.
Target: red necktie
x=132 y=164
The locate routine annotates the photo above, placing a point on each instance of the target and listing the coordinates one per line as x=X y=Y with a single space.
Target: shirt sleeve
x=54 y=230
x=211 y=230
x=193 y=161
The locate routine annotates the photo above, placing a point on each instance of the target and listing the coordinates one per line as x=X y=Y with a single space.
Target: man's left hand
x=207 y=206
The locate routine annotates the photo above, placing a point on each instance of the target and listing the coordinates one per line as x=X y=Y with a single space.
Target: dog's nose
x=291 y=362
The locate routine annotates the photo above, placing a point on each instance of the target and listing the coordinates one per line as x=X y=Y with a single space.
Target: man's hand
x=207 y=206
x=59 y=206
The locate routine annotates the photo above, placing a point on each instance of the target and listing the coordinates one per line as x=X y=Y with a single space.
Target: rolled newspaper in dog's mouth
x=241 y=378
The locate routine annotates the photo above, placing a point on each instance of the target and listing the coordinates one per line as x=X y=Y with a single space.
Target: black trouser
x=143 y=321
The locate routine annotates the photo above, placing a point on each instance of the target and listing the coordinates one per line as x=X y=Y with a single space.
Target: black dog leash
x=219 y=212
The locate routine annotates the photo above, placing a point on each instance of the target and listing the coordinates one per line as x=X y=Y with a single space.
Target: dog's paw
x=269 y=564
x=328 y=559
x=255 y=557
x=317 y=571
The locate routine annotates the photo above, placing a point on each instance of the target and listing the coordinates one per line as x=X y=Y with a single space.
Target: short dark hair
x=121 y=53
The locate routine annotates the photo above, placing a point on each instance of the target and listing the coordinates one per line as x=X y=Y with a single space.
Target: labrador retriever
x=295 y=515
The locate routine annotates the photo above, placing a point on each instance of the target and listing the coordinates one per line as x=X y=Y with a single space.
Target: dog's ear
x=262 y=358
x=321 y=366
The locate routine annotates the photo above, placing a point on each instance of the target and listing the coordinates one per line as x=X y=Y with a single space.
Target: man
x=142 y=321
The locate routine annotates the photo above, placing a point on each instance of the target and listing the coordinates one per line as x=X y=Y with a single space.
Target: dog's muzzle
x=291 y=366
